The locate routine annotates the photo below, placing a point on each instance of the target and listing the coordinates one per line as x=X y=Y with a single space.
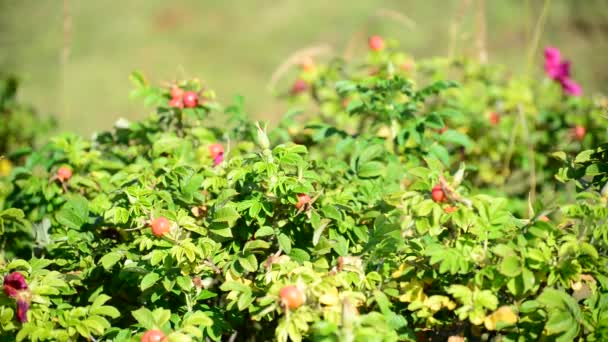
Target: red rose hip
x=153 y=336
x=190 y=99
x=215 y=150
x=177 y=92
x=303 y=199
x=494 y=118
x=299 y=86
x=578 y=132
x=437 y=194
x=160 y=226
x=376 y=43
x=64 y=174
x=291 y=297
x=176 y=102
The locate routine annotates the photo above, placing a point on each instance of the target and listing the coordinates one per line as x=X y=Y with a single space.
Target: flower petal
x=22 y=308
x=16 y=281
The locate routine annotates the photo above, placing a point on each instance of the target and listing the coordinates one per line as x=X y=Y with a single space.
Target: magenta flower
x=218 y=159
x=13 y=283
x=552 y=55
x=570 y=87
x=15 y=286
x=559 y=71
x=22 y=307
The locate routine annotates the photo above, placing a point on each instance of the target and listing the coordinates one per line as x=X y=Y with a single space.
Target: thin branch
x=455 y=26
x=296 y=58
x=396 y=16
x=481 y=31
x=540 y=24
x=65 y=51
x=531 y=154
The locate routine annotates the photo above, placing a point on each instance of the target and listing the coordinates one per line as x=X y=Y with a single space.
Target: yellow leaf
x=5 y=167
x=413 y=291
x=504 y=314
x=330 y=298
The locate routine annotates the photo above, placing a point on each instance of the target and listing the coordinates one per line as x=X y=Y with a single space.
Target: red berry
x=302 y=200
x=215 y=150
x=437 y=194
x=177 y=92
x=442 y=129
x=579 y=132
x=494 y=118
x=291 y=297
x=160 y=226
x=154 y=336
x=299 y=86
x=190 y=99
x=376 y=43
x=176 y=102
x=64 y=174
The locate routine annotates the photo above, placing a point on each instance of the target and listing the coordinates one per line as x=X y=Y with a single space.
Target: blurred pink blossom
x=559 y=71
x=15 y=286
x=13 y=283
x=218 y=159
x=570 y=87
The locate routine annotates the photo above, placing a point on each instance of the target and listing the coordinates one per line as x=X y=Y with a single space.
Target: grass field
x=235 y=45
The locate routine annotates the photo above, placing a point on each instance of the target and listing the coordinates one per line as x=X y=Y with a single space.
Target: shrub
x=326 y=230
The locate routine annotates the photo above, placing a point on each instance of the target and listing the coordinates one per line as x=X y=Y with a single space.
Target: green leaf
x=558 y=322
x=331 y=212
x=198 y=318
x=116 y=215
x=284 y=242
x=254 y=245
x=455 y=137
x=264 y=231
x=74 y=213
x=149 y=280
x=110 y=259
x=510 y=266
x=144 y=317
x=226 y=214
x=371 y=169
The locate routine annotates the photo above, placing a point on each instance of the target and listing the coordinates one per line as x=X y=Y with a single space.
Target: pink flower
x=559 y=71
x=218 y=159
x=552 y=55
x=15 y=286
x=22 y=307
x=570 y=87
x=13 y=283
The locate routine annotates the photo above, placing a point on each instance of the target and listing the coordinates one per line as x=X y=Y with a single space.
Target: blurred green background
x=234 y=46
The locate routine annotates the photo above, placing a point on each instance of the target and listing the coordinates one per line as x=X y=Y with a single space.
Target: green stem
x=537 y=33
